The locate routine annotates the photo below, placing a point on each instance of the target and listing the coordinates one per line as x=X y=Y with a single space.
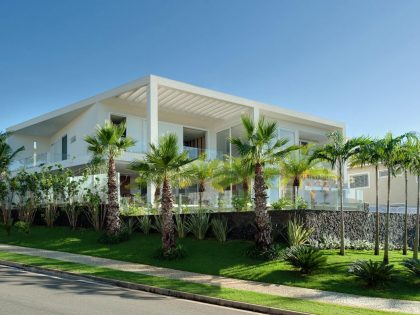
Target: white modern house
x=202 y=119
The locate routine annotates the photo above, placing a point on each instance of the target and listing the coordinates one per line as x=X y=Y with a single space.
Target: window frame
x=358 y=174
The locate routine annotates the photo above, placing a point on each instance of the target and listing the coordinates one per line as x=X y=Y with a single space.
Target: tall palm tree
x=261 y=147
x=166 y=160
x=405 y=155
x=337 y=153
x=109 y=142
x=415 y=169
x=200 y=172
x=389 y=151
x=370 y=154
x=296 y=168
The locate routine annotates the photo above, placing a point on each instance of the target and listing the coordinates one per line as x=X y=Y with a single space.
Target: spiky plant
x=374 y=273
x=305 y=258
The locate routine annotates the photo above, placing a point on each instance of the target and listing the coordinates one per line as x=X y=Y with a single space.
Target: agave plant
x=306 y=258
x=220 y=229
x=413 y=265
x=145 y=224
x=199 y=223
x=374 y=273
x=297 y=234
x=181 y=226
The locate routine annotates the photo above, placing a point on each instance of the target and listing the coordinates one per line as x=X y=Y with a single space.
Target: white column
x=256 y=114
x=152 y=126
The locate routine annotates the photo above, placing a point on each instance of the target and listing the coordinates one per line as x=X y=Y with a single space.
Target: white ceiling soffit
x=174 y=100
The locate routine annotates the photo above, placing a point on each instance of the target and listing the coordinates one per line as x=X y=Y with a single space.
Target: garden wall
x=360 y=225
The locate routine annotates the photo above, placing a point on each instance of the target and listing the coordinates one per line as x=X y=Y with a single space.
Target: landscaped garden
x=163 y=236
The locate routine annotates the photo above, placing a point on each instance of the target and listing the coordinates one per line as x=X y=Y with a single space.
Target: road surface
x=30 y=293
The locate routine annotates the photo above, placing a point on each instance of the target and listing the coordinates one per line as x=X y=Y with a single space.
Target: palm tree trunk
x=386 y=247
x=263 y=235
x=377 y=212
x=113 y=213
x=296 y=184
x=168 y=235
x=340 y=183
x=201 y=189
x=405 y=245
x=245 y=188
x=157 y=196
x=417 y=233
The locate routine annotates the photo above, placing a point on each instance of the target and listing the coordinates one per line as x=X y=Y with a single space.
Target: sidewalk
x=381 y=304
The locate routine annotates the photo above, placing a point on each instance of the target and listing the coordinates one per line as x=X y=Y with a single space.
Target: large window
x=359 y=180
x=117 y=120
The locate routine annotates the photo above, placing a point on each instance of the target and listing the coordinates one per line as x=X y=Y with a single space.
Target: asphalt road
x=29 y=293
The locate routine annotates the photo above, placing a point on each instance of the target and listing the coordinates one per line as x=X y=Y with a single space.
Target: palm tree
x=337 y=153
x=147 y=174
x=200 y=172
x=370 y=154
x=261 y=147
x=109 y=142
x=7 y=154
x=296 y=168
x=405 y=154
x=415 y=169
x=166 y=160
x=236 y=171
x=389 y=151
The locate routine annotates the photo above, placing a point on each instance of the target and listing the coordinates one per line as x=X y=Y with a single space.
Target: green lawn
x=202 y=289
x=228 y=260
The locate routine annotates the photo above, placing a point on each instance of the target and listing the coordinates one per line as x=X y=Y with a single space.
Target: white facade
x=202 y=119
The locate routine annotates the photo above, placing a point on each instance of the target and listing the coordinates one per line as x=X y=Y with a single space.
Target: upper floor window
x=359 y=180
x=117 y=120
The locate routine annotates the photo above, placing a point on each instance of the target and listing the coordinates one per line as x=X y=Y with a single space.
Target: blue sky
x=351 y=61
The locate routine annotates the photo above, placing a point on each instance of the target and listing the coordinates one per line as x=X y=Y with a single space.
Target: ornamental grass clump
x=373 y=273
x=305 y=258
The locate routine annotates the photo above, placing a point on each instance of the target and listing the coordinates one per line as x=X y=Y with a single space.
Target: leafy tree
x=7 y=187
x=166 y=159
x=28 y=196
x=109 y=142
x=261 y=147
x=296 y=168
x=337 y=153
x=370 y=154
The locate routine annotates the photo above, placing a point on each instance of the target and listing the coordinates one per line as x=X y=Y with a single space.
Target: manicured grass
x=202 y=289
x=211 y=257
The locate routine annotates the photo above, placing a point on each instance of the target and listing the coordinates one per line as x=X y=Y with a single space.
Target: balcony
x=47 y=158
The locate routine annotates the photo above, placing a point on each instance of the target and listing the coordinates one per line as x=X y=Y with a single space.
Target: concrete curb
x=156 y=290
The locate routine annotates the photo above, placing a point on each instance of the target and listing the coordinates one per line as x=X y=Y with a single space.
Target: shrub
x=282 y=203
x=413 y=265
x=145 y=224
x=306 y=258
x=274 y=252
x=23 y=226
x=181 y=226
x=131 y=225
x=297 y=234
x=198 y=224
x=121 y=236
x=374 y=273
x=240 y=203
x=220 y=229
x=177 y=252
